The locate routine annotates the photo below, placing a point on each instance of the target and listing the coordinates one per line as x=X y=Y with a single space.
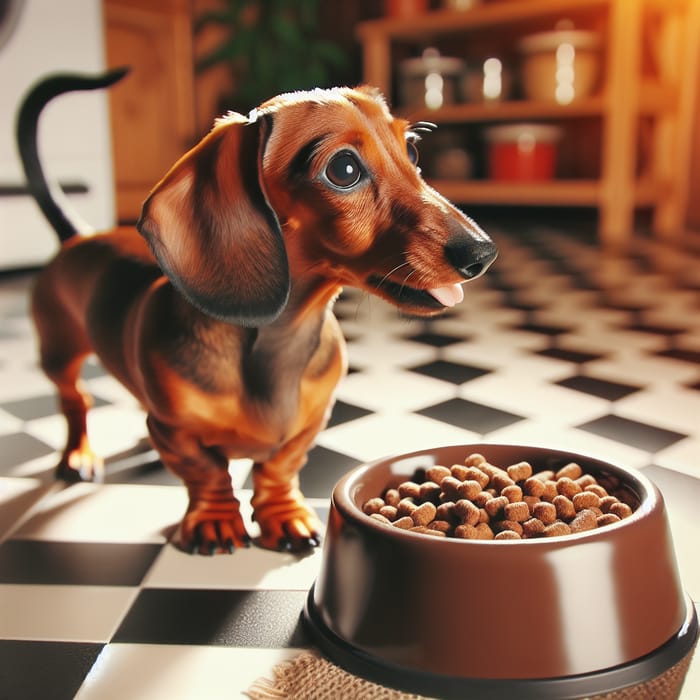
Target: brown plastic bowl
x=562 y=617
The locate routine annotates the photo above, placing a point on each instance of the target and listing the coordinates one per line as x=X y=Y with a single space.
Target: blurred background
x=579 y=110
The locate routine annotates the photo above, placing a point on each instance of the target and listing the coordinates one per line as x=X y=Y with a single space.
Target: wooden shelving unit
x=666 y=99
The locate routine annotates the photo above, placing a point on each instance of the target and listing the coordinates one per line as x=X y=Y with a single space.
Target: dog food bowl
x=583 y=615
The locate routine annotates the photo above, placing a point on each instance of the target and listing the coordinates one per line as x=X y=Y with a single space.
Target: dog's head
x=324 y=183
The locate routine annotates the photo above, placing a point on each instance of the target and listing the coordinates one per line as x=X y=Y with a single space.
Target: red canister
x=522 y=152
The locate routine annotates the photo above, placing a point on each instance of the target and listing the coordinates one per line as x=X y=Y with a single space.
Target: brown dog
x=235 y=352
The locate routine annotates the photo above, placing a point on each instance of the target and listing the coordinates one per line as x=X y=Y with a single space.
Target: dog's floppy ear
x=212 y=230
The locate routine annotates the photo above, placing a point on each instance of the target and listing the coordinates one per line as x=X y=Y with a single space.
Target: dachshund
x=218 y=316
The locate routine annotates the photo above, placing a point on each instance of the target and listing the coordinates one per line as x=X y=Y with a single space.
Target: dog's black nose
x=470 y=256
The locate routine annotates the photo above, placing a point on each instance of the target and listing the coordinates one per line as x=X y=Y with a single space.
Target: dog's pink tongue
x=448 y=296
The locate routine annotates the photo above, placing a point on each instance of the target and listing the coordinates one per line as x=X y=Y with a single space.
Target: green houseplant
x=270 y=47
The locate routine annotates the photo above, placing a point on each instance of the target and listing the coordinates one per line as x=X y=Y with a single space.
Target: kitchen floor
x=556 y=345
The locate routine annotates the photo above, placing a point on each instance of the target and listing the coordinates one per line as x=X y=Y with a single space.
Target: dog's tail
x=49 y=196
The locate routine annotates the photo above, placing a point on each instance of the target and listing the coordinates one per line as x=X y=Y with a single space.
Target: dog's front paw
x=80 y=464
x=288 y=526
x=211 y=529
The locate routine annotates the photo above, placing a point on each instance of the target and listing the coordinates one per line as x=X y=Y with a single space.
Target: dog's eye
x=412 y=151
x=344 y=170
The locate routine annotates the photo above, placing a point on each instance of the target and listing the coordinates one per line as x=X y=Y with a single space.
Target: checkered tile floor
x=556 y=345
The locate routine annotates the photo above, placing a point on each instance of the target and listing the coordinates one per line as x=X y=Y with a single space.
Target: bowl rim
x=650 y=498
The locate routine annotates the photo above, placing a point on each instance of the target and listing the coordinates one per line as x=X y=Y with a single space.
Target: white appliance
x=37 y=38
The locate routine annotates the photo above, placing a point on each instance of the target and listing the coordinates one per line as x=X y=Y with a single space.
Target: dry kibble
x=567 y=487
x=374 y=505
x=584 y=520
x=607 y=519
x=392 y=497
x=534 y=486
x=565 y=508
x=405 y=523
x=424 y=514
x=409 y=489
x=622 y=510
x=466 y=511
x=585 y=499
x=513 y=493
x=496 y=505
x=389 y=512
x=533 y=528
x=380 y=519
x=546 y=512
x=474 y=460
x=437 y=473
x=479 y=500
x=520 y=471
x=469 y=489
x=406 y=507
x=570 y=471
x=429 y=491
x=557 y=529
x=518 y=512
x=466 y=532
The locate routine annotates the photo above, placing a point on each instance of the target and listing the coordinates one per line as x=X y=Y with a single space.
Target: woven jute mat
x=311 y=677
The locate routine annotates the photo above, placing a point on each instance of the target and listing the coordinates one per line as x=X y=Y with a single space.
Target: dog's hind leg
x=63 y=349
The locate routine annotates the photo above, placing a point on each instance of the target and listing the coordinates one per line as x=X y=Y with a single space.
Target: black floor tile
x=18 y=448
x=652 y=329
x=344 y=412
x=44 y=670
x=543 y=329
x=450 y=371
x=437 y=340
x=75 y=563
x=235 y=618
x=683 y=355
x=630 y=432
x=575 y=356
x=602 y=388
x=470 y=416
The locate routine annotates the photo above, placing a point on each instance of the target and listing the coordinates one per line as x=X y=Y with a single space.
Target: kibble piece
x=389 y=512
x=534 y=486
x=392 y=497
x=545 y=475
x=474 y=460
x=482 y=499
x=567 y=487
x=409 y=489
x=597 y=489
x=469 y=489
x=518 y=512
x=520 y=471
x=459 y=471
x=585 y=499
x=500 y=480
x=531 y=501
x=405 y=523
x=507 y=525
x=584 y=520
x=550 y=491
x=374 y=505
x=450 y=487
x=466 y=511
x=586 y=480
x=484 y=517
x=437 y=473
x=507 y=535
x=606 y=502
x=607 y=519
x=441 y=525
x=565 y=508
x=475 y=474
x=406 y=507
x=496 y=505
x=445 y=511
x=421 y=529
x=380 y=519
x=513 y=493
x=546 y=512
x=466 y=532
x=424 y=514
x=533 y=528
x=570 y=471
x=484 y=532
x=429 y=491
x=622 y=510
x=557 y=529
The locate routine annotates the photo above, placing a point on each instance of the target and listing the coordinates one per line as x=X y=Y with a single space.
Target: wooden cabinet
x=643 y=112
x=153 y=108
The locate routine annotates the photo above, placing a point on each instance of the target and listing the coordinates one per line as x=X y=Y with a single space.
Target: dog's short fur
x=234 y=352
